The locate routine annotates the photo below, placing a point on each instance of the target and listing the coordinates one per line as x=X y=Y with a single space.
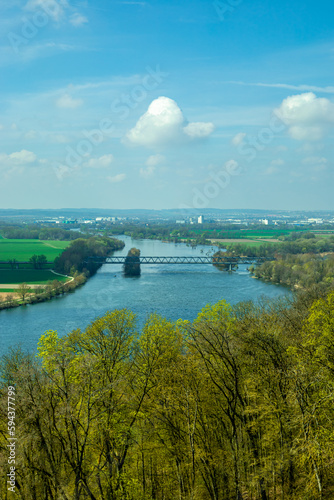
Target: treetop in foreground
x=237 y=404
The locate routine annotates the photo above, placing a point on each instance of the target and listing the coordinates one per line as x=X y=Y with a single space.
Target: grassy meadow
x=30 y=276
x=22 y=250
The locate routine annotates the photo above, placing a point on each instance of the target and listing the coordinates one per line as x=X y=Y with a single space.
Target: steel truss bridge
x=229 y=261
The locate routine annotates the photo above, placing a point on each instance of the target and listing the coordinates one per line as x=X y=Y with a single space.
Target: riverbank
x=40 y=293
x=298 y=272
x=74 y=265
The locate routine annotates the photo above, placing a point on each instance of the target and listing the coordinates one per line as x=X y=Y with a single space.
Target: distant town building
x=265 y=222
x=200 y=219
x=315 y=221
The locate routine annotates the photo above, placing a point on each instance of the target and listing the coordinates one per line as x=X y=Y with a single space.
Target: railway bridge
x=227 y=263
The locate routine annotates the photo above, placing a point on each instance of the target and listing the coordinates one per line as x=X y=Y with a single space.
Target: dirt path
x=14 y=286
x=51 y=246
x=63 y=275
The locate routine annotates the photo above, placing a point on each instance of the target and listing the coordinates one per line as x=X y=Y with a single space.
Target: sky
x=167 y=104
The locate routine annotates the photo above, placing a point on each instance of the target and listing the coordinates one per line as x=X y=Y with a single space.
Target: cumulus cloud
x=307 y=116
x=19 y=158
x=68 y=102
x=117 y=178
x=163 y=124
x=102 y=162
x=238 y=139
x=151 y=162
x=198 y=130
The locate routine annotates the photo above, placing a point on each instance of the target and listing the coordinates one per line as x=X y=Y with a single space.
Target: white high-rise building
x=200 y=219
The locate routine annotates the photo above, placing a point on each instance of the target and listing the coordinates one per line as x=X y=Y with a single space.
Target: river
x=174 y=291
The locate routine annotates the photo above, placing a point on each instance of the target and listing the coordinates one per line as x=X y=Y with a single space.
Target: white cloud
x=307 y=116
x=78 y=19
x=198 y=130
x=22 y=157
x=17 y=160
x=102 y=162
x=238 y=139
x=312 y=160
x=68 y=102
x=152 y=162
x=163 y=124
x=117 y=178
x=1 y=127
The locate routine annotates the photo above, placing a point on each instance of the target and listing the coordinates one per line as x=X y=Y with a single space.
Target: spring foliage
x=236 y=405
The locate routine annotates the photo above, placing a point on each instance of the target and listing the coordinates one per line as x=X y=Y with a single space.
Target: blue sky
x=165 y=104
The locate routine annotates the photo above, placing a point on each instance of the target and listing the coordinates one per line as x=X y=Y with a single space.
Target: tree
x=41 y=261
x=13 y=263
x=23 y=290
x=132 y=263
x=34 y=260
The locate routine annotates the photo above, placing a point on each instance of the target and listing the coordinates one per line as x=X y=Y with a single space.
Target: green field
x=22 y=250
x=270 y=233
x=254 y=243
x=32 y=276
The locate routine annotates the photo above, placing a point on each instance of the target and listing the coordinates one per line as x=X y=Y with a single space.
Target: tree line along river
x=173 y=291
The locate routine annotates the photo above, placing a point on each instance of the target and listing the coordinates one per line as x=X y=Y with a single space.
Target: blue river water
x=174 y=291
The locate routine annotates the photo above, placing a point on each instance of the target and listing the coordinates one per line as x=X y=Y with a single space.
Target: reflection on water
x=174 y=291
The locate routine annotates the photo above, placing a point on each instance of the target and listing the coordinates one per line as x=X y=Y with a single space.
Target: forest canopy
x=237 y=404
x=86 y=255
